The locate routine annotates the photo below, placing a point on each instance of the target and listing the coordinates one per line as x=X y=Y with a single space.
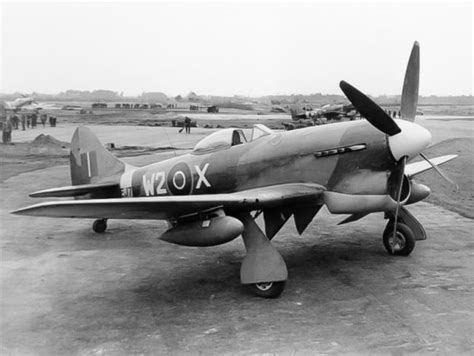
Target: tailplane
x=90 y=162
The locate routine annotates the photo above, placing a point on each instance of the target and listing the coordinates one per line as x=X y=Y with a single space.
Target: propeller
x=439 y=170
x=370 y=110
x=411 y=83
x=408 y=142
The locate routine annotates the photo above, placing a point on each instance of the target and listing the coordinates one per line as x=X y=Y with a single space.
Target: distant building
x=99 y=105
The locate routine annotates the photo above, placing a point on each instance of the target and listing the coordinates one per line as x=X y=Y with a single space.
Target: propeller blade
x=370 y=110
x=439 y=170
x=401 y=173
x=411 y=83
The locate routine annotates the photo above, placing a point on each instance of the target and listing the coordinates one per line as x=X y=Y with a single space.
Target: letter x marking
x=202 y=178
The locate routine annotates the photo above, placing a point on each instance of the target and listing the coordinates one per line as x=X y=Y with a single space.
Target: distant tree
x=178 y=98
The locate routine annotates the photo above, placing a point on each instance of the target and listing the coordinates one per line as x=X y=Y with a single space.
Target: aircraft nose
x=410 y=141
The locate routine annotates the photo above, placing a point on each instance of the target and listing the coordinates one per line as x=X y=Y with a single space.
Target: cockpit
x=226 y=138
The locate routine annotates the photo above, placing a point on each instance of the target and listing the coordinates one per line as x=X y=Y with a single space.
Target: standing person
x=23 y=122
x=43 y=119
x=28 y=121
x=15 y=121
x=7 y=131
x=187 y=124
x=34 y=120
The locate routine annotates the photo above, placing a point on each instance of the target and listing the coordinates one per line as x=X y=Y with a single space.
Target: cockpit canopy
x=227 y=138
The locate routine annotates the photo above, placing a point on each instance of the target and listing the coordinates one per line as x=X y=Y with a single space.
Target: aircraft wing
x=76 y=190
x=412 y=169
x=166 y=207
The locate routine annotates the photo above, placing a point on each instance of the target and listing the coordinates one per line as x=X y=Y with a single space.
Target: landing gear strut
x=99 y=225
x=263 y=268
x=403 y=243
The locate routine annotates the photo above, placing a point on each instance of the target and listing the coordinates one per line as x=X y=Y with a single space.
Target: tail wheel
x=100 y=225
x=268 y=289
x=404 y=241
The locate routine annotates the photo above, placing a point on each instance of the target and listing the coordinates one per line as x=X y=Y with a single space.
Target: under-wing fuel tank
x=210 y=232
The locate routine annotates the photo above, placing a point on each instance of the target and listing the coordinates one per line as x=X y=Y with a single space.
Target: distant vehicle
x=213 y=109
x=99 y=105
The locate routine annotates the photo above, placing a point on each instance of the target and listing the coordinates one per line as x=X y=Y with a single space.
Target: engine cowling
x=210 y=232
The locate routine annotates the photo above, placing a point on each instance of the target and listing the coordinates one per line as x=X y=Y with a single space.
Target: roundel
x=180 y=180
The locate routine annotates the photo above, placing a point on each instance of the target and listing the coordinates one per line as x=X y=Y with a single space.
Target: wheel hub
x=397 y=243
x=264 y=286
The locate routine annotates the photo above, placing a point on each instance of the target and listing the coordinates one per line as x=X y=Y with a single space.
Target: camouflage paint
x=286 y=157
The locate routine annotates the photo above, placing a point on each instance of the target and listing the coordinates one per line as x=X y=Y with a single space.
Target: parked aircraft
x=214 y=194
x=18 y=103
x=328 y=111
x=28 y=104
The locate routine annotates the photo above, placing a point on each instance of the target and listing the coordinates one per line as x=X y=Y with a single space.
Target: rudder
x=89 y=161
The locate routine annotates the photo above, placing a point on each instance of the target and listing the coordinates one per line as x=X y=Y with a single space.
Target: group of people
x=393 y=113
x=26 y=121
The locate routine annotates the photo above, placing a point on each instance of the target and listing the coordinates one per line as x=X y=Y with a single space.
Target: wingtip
x=17 y=212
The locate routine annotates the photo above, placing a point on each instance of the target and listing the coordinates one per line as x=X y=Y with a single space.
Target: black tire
x=99 y=226
x=268 y=289
x=406 y=238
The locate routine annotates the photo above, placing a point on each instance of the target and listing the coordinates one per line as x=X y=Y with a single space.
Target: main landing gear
x=402 y=242
x=408 y=231
x=263 y=268
x=99 y=225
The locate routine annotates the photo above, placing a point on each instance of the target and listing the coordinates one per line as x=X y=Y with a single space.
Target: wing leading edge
x=167 y=207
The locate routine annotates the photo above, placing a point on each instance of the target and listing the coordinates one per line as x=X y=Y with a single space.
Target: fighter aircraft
x=215 y=193
x=328 y=111
x=28 y=103
x=18 y=103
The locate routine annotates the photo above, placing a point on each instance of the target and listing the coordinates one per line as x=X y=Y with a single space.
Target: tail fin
x=295 y=112
x=89 y=161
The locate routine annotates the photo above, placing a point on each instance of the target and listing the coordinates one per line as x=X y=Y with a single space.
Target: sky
x=234 y=48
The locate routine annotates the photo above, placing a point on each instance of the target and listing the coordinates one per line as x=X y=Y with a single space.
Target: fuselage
x=329 y=155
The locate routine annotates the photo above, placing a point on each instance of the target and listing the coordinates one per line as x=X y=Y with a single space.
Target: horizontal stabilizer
x=76 y=190
x=412 y=169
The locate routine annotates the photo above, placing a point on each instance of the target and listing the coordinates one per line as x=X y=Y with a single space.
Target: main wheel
x=405 y=240
x=268 y=289
x=100 y=225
